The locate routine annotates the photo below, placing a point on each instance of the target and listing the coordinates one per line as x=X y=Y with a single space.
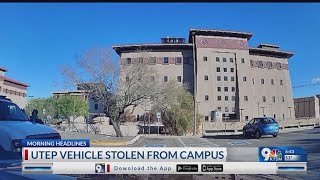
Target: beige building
x=96 y=108
x=307 y=107
x=13 y=89
x=239 y=81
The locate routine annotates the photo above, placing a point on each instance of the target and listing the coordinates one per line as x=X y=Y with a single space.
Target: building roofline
x=268 y=45
x=270 y=52
x=134 y=47
x=65 y=92
x=222 y=33
x=3 y=69
x=15 y=82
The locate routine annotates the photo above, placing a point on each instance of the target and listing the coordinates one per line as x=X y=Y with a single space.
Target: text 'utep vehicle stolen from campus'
x=15 y=126
x=261 y=126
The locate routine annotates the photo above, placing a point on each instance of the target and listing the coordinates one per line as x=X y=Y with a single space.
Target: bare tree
x=116 y=88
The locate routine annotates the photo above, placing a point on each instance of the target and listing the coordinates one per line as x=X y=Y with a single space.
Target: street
x=307 y=139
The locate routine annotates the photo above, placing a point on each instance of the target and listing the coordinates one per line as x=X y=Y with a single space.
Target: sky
x=36 y=40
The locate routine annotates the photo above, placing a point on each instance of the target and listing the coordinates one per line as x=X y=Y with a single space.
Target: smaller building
x=13 y=89
x=96 y=109
x=307 y=107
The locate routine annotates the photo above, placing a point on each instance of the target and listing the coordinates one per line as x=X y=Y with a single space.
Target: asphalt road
x=309 y=140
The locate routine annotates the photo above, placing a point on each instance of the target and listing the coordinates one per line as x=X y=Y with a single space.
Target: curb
x=116 y=143
x=134 y=139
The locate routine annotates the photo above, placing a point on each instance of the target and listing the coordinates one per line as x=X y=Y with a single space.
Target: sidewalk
x=100 y=139
x=287 y=130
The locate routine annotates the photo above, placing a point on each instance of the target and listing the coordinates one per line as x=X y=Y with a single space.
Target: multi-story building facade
x=13 y=89
x=226 y=74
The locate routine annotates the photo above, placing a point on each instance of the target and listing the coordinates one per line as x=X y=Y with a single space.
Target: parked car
x=15 y=126
x=261 y=126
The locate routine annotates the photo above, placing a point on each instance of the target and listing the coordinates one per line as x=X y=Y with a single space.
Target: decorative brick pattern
x=268 y=65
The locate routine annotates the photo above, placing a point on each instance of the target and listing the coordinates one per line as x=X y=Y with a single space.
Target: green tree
x=177 y=108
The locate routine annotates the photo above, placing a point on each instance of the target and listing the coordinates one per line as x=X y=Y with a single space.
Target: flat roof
x=222 y=33
x=270 y=52
x=135 y=47
x=15 y=82
x=3 y=69
x=268 y=45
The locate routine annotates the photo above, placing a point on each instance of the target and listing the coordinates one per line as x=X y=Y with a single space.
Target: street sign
x=44 y=111
x=158 y=115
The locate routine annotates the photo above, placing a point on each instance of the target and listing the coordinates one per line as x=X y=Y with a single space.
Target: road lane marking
x=184 y=145
x=209 y=142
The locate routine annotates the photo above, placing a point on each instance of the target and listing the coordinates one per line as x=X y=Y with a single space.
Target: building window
x=281 y=82
x=129 y=61
x=224 y=69
x=226 y=98
x=272 y=81
x=245 y=98
x=206 y=77
x=274 y=116
x=231 y=69
x=252 y=80
x=206 y=97
x=251 y=63
x=219 y=108
x=217 y=59
x=140 y=60
x=205 y=58
x=242 y=60
x=127 y=79
x=246 y=118
x=244 y=78
x=179 y=60
x=233 y=109
x=273 y=98
x=95 y=106
x=218 y=78
x=226 y=109
x=233 y=89
x=225 y=89
x=263 y=99
x=232 y=78
x=206 y=118
x=219 y=98
x=282 y=98
x=233 y=98
x=165 y=78
x=219 y=89
x=152 y=60
x=152 y=78
x=282 y=116
x=225 y=78
x=231 y=60
x=224 y=59
x=179 y=78
x=262 y=81
x=218 y=69
x=165 y=60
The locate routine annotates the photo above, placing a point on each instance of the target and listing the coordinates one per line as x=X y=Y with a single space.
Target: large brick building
x=13 y=89
x=225 y=74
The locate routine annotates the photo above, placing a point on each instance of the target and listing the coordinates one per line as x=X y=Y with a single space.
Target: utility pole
x=241 y=114
x=263 y=110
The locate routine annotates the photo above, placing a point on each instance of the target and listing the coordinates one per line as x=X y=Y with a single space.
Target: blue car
x=261 y=126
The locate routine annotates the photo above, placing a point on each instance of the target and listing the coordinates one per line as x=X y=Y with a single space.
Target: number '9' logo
x=265 y=152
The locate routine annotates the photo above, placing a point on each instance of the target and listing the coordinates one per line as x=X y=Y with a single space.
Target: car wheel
x=257 y=135
x=275 y=135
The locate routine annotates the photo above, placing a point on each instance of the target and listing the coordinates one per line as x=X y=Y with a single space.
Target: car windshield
x=264 y=120
x=11 y=112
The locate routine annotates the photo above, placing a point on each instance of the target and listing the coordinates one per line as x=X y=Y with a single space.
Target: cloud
x=315 y=80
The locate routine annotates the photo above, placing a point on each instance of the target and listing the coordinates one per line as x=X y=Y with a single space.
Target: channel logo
x=102 y=168
x=271 y=154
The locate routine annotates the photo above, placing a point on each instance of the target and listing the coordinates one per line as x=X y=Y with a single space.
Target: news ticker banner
x=63 y=156
x=164 y=168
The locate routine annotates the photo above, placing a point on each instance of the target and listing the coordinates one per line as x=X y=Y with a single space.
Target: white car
x=15 y=126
